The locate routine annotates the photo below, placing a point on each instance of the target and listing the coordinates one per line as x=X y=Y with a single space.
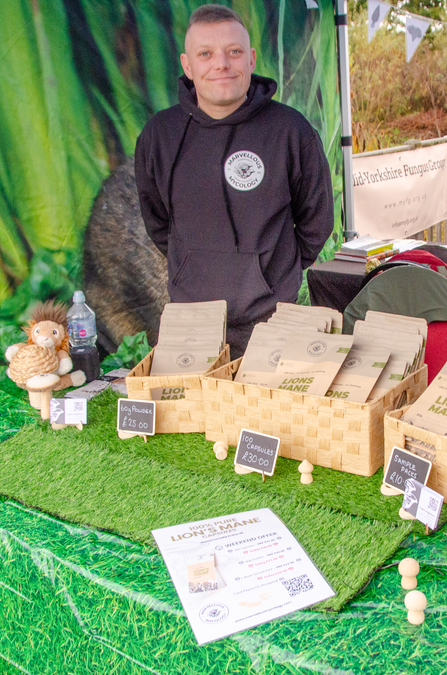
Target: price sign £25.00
x=257 y=452
x=135 y=418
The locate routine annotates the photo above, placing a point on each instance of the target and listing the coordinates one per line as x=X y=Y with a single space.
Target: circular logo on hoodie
x=244 y=170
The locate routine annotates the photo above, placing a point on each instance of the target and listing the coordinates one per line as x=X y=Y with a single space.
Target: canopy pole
x=341 y=21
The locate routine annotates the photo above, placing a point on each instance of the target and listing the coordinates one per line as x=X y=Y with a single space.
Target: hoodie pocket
x=216 y=275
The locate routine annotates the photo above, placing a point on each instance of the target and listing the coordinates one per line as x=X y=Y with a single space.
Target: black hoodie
x=240 y=205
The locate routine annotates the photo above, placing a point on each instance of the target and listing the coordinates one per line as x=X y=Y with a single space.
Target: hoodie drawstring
x=225 y=187
x=171 y=175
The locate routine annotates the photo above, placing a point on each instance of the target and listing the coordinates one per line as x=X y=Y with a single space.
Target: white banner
x=377 y=11
x=415 y=30
x=401 y=193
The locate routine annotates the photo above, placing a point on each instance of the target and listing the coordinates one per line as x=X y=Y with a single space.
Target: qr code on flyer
x=78 y=406
x=298 y=585
x=432 y=504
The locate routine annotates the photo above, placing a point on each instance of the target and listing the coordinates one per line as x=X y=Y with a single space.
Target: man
x=234 y=188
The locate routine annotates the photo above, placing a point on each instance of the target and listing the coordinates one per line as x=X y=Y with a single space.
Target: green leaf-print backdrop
x=78 y=79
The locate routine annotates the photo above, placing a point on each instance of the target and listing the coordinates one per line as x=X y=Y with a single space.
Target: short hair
x=213 y=13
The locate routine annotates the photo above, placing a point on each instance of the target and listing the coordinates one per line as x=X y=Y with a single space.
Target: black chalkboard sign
x=136 y=417
x=403 y=465
x=257 y=452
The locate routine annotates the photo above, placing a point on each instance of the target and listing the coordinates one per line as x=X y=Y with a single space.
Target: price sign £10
x=403 y=466
x=135 y=418
x=257 y=452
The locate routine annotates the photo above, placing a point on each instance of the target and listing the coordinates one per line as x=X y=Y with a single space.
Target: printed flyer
x=237 y=571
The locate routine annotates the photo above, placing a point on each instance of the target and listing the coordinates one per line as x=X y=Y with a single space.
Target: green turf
x=9 y=387
x=13 y=416
x=82 y=602
x=131 y=487
x=336 y=490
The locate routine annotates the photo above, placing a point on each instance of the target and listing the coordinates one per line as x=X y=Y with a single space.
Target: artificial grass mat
x=13 y=416
x=131 y=487
x=337 y=490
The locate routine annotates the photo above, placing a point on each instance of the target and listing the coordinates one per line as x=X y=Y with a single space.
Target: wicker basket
x=183 y=416
x=396 y=433
x=328 y=432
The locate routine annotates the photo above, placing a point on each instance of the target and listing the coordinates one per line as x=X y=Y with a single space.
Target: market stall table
x=335 y=283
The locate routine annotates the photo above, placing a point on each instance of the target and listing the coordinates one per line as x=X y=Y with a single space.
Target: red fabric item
x=418 y=256
x=436 y=348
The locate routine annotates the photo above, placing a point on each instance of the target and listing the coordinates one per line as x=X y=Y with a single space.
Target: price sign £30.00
x=135 y=418
x=257 y=452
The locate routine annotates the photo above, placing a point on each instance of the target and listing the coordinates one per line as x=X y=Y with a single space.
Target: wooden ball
x=415 y=601
x=306 y=478
x=409 y=567
x=415 y=618
x=306 y=467
x=409 y=583
x=221 y=453
x=220 y=445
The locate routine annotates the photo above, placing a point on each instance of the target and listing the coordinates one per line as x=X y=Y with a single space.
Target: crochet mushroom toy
x=42 y=364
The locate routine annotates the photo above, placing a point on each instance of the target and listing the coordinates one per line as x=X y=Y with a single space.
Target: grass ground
x=79 y=601
x=419 y=125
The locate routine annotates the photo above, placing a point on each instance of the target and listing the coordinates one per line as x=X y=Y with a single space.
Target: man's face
x=220 y=61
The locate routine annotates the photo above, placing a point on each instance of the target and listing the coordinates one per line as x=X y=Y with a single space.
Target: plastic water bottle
x=81 y=322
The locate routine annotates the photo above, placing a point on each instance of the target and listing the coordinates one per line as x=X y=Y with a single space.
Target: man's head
x=218 y=58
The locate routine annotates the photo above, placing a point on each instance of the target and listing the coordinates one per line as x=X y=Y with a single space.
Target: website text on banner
x=398 y=194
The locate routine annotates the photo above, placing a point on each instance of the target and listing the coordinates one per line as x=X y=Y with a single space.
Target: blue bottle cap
x=78 y=296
